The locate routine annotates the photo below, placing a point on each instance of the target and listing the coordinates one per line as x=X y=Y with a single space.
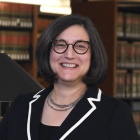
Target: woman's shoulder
x=111 y=102
x=105 y=99
x=33 y=95
x=21 y=102
x=109 y=98
x=26 y=97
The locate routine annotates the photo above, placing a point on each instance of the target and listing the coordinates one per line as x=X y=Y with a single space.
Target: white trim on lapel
x=36 y=96
x=90 y=100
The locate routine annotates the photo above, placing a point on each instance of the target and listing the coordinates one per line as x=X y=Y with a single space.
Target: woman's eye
x=80 y=46
x=60 y=44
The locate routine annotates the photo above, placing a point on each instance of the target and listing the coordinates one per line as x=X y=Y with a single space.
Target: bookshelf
x=128 y=56
x=16 y=25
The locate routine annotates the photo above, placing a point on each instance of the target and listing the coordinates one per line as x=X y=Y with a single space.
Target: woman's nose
x=70 y=53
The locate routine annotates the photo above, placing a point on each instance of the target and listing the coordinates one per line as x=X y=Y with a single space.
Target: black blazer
x=95 y=117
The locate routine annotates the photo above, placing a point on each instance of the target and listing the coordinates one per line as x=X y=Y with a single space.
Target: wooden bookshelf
x=16 y=24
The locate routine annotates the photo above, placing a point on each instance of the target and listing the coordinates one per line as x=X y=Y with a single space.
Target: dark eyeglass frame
x=72 y=46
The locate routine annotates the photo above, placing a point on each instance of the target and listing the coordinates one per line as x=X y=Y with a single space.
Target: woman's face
x=70 y=66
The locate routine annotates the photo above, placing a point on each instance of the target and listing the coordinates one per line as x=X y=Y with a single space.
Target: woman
x=71 y=56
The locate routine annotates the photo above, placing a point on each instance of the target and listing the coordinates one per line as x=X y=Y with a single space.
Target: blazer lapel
x=78 y=115
x=34 y=114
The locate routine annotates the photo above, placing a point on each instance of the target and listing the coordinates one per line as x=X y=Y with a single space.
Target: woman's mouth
x=69 y=65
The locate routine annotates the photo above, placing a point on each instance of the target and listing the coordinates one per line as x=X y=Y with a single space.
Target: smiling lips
x=69 y=65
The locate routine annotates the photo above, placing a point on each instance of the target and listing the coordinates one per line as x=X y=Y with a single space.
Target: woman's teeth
x=69 y=65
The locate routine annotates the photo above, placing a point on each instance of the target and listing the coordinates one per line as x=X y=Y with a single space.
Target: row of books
x=16 y=15
x=136 y=117
x=128 y=54
x=128 y=25
x=127 y=84
x=15 y=44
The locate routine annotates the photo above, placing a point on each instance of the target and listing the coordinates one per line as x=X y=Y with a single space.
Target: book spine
x=120 y=84
x=128 y=24
x=128 y=85
x=134 y=85
x=3 y=38
x=120 y=24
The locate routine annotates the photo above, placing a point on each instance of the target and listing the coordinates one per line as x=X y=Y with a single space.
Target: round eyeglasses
x=80 y=46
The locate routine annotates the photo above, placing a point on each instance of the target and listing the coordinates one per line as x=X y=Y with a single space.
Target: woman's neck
x=67 y=93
